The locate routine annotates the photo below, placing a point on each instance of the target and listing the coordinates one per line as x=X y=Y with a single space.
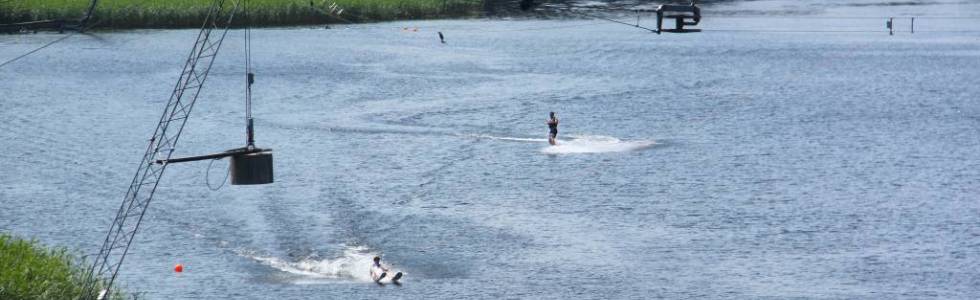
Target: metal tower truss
x=161 y=147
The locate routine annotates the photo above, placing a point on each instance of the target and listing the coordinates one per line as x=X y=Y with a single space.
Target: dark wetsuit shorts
x=553 y=127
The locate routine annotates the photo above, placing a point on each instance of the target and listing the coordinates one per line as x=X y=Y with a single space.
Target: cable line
x=37 y=49
x=637 y=25
x=46 y=45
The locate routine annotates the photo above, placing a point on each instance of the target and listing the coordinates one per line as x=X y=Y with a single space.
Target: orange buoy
x=179 y=268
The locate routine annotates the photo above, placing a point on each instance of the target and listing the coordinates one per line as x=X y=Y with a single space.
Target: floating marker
x=179 y=268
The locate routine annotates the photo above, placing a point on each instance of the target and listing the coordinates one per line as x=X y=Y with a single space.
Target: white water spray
x=354 y=264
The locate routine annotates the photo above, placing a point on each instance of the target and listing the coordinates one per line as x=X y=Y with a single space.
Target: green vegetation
x=190 y=13
x=29 y=271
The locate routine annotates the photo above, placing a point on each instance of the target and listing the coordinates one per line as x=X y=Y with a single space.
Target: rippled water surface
x=717 y=165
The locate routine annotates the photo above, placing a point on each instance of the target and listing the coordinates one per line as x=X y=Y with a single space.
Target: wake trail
x=596 y=144
x=577 y=144
x=504 y=138
x=354 y=264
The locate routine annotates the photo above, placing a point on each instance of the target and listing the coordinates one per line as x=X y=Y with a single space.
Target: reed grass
x=190 y=13
x=30 y=271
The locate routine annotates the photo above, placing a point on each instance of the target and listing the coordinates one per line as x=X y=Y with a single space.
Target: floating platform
x=683 y=15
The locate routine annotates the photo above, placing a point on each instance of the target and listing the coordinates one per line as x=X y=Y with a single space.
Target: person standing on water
x=553 y=129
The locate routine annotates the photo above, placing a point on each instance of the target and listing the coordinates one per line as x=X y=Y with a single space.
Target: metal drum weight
x=251 y=168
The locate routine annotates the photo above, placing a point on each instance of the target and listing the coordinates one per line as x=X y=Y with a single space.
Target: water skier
x=379 y=272
x=553 y=129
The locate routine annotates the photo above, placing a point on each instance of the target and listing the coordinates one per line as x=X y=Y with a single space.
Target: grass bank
x=190 y=13
x=30 y=271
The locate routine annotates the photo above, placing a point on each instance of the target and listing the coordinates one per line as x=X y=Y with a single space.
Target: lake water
x=713 y=165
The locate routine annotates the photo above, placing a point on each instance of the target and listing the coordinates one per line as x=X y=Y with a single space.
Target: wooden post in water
x=889 y=23
x=912 y=27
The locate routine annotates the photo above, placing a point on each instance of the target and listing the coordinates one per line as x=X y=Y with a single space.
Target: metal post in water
x=660 y=21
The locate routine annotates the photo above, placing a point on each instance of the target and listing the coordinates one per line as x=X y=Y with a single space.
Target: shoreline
x=30 y=267
x=160 y=14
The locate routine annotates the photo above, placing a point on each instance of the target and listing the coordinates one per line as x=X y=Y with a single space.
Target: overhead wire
x=248 y=66
x=35 y=50
x=789 y=16
x=537 y=28
x=834 y=17
x=637 y=25
x=362 y=17
x=794 y=30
